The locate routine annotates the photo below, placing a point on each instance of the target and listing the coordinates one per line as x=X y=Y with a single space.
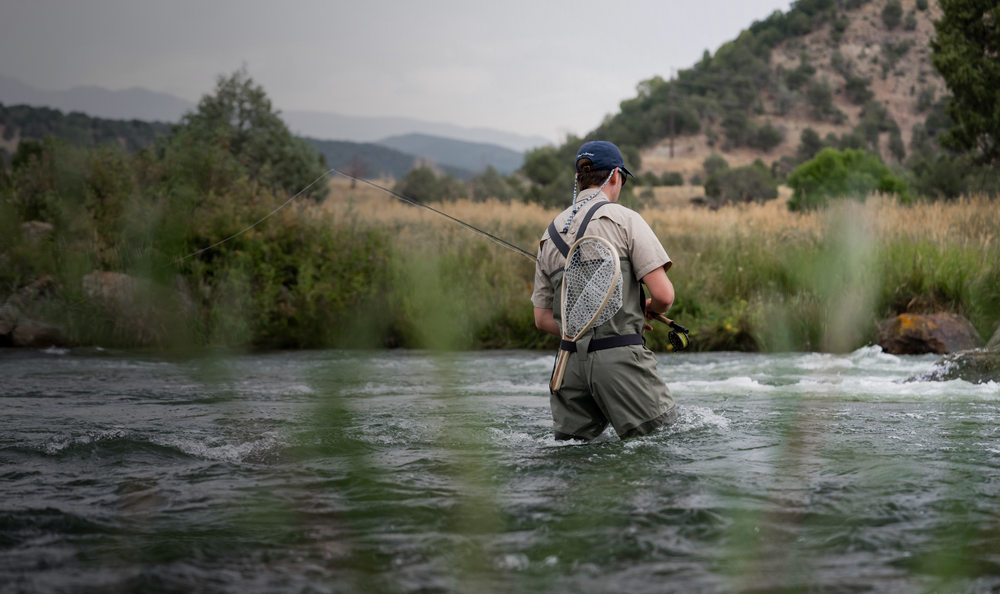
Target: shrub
x=835 y=174
x=856 y=89
x=801 y=75
x=696 y=180
x=820 y=97
x=752 y=183
x=921 y=5
x=423 y=185
x=925 y=99
x=910 y=23
x=672 y=178
x=809 y=144
x=892 y=14
x=713 y=163
x=491 y=184
x=892 y=53
x=896 y=146
x=766 y=137
x=648 y=179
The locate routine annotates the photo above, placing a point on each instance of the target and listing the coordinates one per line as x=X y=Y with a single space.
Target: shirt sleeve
x=646 y=252
x=543 y=293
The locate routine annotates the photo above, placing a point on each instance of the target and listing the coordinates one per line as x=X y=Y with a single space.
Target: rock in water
x=941 y=333
x=977 y=366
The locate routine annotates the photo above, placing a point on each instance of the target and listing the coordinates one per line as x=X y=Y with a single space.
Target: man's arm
x=661 y=293
x=544 y=320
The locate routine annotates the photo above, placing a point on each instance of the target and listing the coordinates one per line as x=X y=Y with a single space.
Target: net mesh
x=588 y=277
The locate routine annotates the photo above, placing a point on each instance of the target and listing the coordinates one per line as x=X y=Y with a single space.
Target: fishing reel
x=678 y=336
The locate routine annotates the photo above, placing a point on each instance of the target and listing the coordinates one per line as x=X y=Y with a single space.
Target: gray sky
x=530 y=67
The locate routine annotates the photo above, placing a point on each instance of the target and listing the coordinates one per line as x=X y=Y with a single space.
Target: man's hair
x=587 y=176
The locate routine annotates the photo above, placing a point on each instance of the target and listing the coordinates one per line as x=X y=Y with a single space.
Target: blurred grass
x=362 y=270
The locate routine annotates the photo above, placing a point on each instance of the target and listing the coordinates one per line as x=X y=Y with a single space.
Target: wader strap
x=600 y=344
x=590 y=215
x=557 y=240
x=556 y=237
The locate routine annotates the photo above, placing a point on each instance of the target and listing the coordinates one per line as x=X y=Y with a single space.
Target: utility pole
x=671 y=113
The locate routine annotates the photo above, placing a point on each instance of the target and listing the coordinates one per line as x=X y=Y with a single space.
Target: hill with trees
x=22 y=122
x=370 y=160
x=843 y=74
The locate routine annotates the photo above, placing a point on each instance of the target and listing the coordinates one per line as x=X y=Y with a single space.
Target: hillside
x=842 y=44
x=21 y=122
x=472 y=156
x=370 y=160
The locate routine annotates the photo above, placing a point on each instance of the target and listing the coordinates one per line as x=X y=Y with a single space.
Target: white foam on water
x=736 y=384
x=823 y=362
x=55 y=351
x=257 y=449
x=694 y=418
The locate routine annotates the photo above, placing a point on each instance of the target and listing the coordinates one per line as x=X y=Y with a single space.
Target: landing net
x=589 y=277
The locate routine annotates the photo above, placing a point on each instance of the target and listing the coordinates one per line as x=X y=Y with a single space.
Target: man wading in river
x=611 y=376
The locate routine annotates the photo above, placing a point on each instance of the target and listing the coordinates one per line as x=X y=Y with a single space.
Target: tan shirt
x=623 y=227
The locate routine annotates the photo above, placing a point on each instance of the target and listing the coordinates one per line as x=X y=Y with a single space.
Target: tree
x=752 y=183
x=841 y=174
x=239 y=118
x=892 y=14
x=965 y=53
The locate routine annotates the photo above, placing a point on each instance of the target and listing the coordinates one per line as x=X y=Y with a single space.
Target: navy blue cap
x=604 y=155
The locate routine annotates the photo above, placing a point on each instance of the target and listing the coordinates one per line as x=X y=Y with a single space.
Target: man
x=611 y=376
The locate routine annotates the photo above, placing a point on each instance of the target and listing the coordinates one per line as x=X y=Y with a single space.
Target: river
x=403 y=471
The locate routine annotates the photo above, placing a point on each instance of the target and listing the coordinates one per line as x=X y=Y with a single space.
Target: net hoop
x=613 y=285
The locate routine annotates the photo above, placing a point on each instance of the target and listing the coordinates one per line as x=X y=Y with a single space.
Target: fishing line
x=413 y=202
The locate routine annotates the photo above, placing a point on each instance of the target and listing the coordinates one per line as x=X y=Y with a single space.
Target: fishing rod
x=678 y=335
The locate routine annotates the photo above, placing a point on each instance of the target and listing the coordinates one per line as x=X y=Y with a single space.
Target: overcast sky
x=530 y=67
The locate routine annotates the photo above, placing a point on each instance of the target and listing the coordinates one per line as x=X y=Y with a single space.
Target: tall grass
x=748 y=277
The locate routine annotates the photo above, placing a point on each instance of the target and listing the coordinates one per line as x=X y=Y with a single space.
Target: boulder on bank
x=36 y=231
x=978 y=366
x=37 y=335
x=941 y=333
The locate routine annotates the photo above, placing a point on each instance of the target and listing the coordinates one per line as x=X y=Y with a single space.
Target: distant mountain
x=363 y=129
x=22 y=122
x=473 y=156
x=374 y=160
x=128 y=104
x=140 y=104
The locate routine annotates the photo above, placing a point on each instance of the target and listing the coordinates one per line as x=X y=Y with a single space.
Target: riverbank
x=361 y=270
x=748 y=277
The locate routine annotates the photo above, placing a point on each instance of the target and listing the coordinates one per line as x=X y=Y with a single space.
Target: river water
x=396 y=471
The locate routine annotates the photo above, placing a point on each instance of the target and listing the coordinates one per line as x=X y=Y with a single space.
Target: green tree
x=809 y=144
x=964 y=51
x=841 y=174
x=752 y=183
x=423 y=185
x=713 y=163
x=239 y=118
x=491 y=184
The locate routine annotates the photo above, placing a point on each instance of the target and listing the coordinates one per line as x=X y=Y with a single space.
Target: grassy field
x=748 y=277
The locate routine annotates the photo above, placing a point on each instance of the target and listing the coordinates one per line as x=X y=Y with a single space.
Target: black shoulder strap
x=556 y=237
x=557 y=240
